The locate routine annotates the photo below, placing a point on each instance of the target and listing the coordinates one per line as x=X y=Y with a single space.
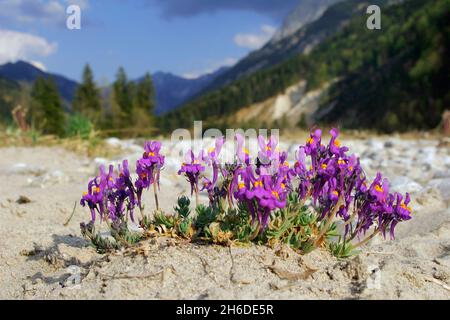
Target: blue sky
x=185 y=37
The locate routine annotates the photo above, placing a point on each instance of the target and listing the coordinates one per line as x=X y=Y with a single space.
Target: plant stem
x=255 y=233
x=329 y=221
x=367 y=239
x=230 y=203
x=350 y=220
x=141 y=210
x=156 y=195
x=196 y=194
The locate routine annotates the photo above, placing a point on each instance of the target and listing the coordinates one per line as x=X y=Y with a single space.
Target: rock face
x=293 y=107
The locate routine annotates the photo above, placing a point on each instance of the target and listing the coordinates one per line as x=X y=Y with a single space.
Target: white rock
x=51 y=178
x=100 y=161
x=375 y=145
x=443 y=185
x=23 y=168
x=404 y=184
x=441 y=174
x=114 y=142
x=133 y=227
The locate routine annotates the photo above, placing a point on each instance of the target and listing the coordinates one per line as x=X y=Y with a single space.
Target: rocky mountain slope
x=393 y=79
x=307 y=26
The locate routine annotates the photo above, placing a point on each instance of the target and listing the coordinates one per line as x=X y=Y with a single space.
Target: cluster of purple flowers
x=337 y=185
x=334 y=182
x=110 y=194
x=113 y=195
x=325 y=175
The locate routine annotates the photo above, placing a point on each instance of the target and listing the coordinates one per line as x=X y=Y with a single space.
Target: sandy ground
x=41 y=258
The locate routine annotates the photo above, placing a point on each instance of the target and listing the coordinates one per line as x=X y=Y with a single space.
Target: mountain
x=307 y=26
x=26 y=73
x=395 y=79
x=307 y=11
x=172 y=91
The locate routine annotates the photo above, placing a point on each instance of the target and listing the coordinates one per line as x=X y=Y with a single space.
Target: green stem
x=328 y=223
x=366 y=239
x=255 y=233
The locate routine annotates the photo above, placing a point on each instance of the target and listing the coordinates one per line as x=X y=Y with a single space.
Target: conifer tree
x=145 y=94
x=87 y=97
x=49 y=114
x=123 y=95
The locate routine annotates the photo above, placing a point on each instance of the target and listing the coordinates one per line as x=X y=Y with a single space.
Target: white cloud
x=211 y=67
x=16 y=45
x=255 y=40
x=37 y=11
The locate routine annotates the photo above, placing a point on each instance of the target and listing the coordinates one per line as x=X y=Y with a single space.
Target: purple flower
x=262 y=194
x=379 y=188
x=212 y=155
x=152 y=154
x=124 y=192
x=108 y=193
x=148 y=168
x=241 y=152
x=267 y=150
x=93 y=198
x=192 y=168
x=312 y=145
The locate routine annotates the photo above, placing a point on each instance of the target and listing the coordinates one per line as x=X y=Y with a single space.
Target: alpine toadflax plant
x=323 y=199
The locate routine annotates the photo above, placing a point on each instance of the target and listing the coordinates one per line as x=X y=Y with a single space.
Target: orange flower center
x=258 y=184
x=337 y=143
x=404 y=206
x=378 y=188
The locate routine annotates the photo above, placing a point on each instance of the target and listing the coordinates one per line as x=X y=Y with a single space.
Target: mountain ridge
x=171 y=90
x=24 y=72
x=394 y=80
x=327 y=18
